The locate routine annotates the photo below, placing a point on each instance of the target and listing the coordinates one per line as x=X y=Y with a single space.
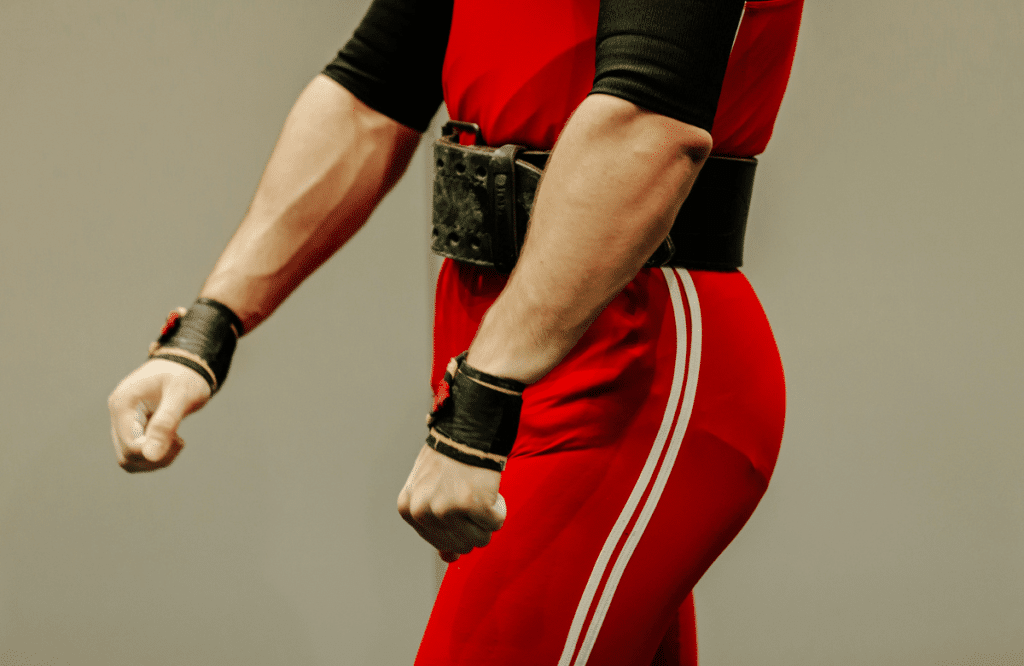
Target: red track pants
x=639 y=458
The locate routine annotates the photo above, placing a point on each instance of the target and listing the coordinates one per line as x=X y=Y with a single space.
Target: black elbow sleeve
x=667 y=56
x=393 y=61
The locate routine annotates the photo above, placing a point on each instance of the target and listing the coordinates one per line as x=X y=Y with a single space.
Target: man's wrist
x=522 y=352
x=202 y=338
x=475 y=415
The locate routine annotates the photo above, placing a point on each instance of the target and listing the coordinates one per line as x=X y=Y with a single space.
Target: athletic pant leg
x=621 y=490
x=678 y=646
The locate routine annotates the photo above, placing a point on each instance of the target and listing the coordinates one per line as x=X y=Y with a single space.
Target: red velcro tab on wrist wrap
x=475 y=416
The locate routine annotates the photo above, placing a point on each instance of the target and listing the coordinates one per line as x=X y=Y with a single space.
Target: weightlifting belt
x=483 y=197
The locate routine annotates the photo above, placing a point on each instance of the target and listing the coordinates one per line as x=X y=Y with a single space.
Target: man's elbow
x=658 y=136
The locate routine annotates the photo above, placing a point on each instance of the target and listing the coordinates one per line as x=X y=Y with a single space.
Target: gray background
x=885 y=242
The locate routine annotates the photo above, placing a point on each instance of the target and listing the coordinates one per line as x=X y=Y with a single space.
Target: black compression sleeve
x=393 y=61
x=667 y=56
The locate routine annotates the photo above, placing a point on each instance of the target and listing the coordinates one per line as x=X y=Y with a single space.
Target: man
x=637 y=409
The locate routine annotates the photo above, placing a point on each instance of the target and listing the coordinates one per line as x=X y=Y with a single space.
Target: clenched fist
x=454 y=506
x=146 y=409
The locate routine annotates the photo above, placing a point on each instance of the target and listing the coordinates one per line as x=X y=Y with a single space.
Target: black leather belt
x=483 y=197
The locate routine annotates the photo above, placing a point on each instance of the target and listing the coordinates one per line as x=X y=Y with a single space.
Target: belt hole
x=474 y=242
x=440 y=163
x=481 y=172
x=460 y=168
x=453 y=239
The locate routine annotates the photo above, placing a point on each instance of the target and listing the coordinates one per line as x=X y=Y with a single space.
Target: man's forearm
x=335 y=160
x=610 y=193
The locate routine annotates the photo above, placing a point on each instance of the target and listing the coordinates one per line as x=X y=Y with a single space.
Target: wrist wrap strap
x=202 y=338
x=475 y=416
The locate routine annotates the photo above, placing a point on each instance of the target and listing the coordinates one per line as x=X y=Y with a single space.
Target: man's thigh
x=620 y=494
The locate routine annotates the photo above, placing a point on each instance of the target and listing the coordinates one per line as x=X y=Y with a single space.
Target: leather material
x=501 y=188
x=474 y=223
x=709 y=229
x=466 y=224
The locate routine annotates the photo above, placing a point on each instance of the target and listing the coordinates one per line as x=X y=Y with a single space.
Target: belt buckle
x=453 y=130
x=501 y=188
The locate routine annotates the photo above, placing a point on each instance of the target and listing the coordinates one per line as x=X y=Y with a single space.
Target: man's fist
x=146 y=409
x=452 y=505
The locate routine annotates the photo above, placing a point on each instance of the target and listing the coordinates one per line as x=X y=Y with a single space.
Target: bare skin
x=613 y=186
x=610 y=193
x=335 y=160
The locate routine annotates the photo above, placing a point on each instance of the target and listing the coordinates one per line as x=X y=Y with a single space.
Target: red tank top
x=521 y=81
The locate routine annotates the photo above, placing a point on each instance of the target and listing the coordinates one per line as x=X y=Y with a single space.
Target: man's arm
x=610 y=194
x=335 y=160
x=612 y=188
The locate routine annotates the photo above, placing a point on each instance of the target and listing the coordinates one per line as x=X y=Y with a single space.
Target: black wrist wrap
x=475 y=416
x=202 y=338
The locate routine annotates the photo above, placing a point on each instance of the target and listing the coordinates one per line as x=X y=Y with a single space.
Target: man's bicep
x=666 y=56
x=393 y=61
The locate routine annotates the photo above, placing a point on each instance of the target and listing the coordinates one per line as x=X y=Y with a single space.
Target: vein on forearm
x=334 y=162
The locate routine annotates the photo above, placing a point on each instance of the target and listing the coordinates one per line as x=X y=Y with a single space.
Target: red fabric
x=590 y=428
x=587 y=431
x=755 y=81
x=441 y=396
x=679 y=646
x=522 y=81
x=171 y=323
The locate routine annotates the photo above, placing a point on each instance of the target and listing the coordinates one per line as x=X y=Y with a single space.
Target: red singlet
x=643 y=453
x=527 y=96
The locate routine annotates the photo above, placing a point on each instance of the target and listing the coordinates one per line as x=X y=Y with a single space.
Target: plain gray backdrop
x=885 y=243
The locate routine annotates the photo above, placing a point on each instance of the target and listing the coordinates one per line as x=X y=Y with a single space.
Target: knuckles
x=413 y=509
x=403 y=503
x=445 y=510
x=466 y=499
x=117 y=399
x=421 y=512
x=440 y=502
